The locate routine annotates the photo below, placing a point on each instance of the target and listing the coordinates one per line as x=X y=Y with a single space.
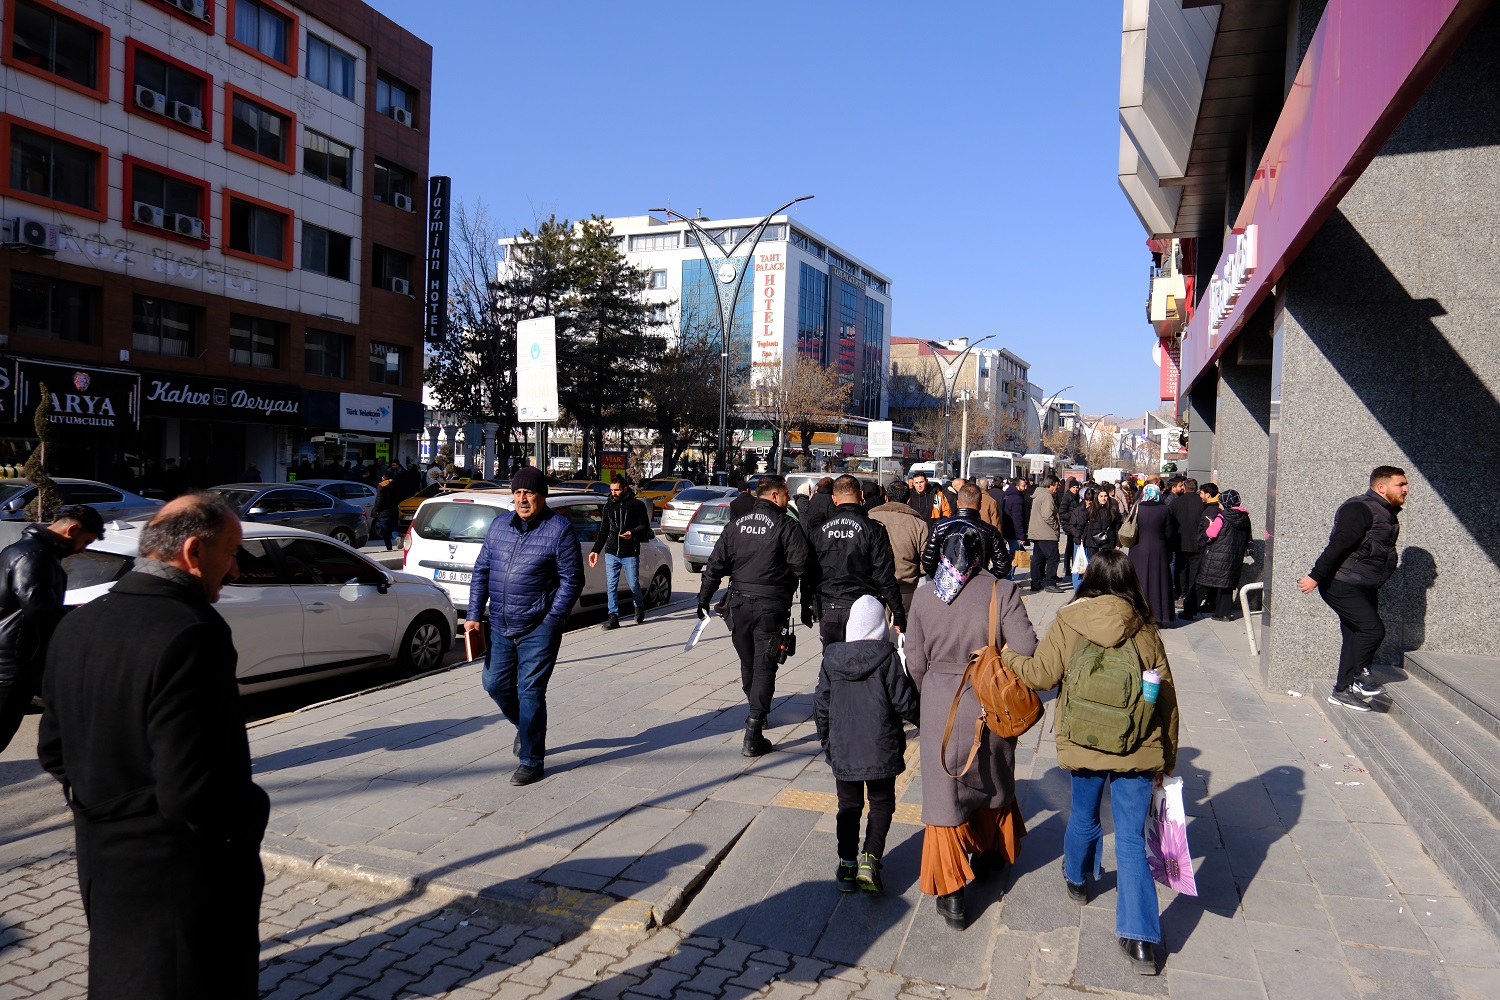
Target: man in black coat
x=32 y=587
x=852 y=558
x=820 y=507
x=996 y=555
x=1187 y=512
x=742 y=504
x=144 y=729
x=627 y=523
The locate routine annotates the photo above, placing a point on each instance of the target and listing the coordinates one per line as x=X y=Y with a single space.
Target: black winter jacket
x=819 y=509
x=1187 y=509
x=741 y=505
x=1362 y=546
x=1104 y=520
x=997 y=553
x=862 y=698
x=1223 y=555
x=32 y=585
x=629 y=513
x=851 y=558
x=764 y=554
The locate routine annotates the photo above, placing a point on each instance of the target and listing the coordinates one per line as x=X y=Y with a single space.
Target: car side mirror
x=381 y=583
x=255 y=512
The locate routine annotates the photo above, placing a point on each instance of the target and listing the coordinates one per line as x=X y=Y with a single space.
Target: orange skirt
x=946 y=849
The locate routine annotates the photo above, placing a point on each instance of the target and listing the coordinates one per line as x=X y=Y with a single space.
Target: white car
x=304 y=605
x=681 y=508
x=443 y=543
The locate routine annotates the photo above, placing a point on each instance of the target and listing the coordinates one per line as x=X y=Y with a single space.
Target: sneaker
x=1349 y=700
x=1367 y=687
x=846 y=876
x=614 y=622
x=869 y=874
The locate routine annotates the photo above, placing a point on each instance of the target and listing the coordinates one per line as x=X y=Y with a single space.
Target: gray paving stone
x=1182 y=985
x=1379 y=922
x=1286 y=903
x=1398 y=975
x=1270 y=940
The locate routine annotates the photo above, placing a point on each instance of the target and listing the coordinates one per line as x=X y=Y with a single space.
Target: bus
x=996 y=465
x=1035 y=465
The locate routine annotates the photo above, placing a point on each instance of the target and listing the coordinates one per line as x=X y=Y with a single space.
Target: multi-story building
x=213 y=226
x=996 y=379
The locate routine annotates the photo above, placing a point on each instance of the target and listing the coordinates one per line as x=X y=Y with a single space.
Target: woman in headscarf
x=1152 y=553
x=975 y=815
x=1225 y=538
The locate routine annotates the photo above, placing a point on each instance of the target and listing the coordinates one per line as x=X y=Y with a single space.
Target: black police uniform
x=765 y=556
x=851 y=558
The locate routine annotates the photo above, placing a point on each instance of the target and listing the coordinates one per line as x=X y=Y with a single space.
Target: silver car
x=358 y=494
x=112 y=503
x=681 y=508
x=703 y=533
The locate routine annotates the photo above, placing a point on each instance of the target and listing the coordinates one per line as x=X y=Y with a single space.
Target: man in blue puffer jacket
x=530 y=572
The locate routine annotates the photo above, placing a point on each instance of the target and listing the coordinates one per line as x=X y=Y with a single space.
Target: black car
x=298 y=507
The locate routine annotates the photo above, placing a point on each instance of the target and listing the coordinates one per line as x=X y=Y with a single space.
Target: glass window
x=46 y=40
x=391 y=180
x=172 y=196
x=46 y=307
x=254 y=341
x=586 y=518
x=328 y=160
x=330 y=66
x=326 y=353
x=812 y=315
x=90 y=568
x=325 y=252
x=255 y=229
x=259 y=130
x=392 y=93
x=257 y=565
x=658 y=279
x=175 y=82
x=316 y=563
x=266 y=31
x=51 y=168
x=88 y=493
x=389 y=264
x=843 y=362
x=387 y=364
x=654 y=241
x=290 y=501
x=455 y=522
x=162 y=327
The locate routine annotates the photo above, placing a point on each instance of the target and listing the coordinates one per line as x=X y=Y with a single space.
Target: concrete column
x=1202 y=410
x=1242 y=436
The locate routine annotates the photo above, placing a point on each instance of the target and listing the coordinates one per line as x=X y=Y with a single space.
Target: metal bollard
x=1245 y=608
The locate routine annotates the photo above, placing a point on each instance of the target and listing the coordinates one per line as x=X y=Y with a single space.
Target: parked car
x=298 y=507
x=357 y=494
x=660 y=491
x=680 y=510
x=407 y=509
x=304 y=606
x=593 y=486
x=703 y=533
x=445 y=536
x=111 y=502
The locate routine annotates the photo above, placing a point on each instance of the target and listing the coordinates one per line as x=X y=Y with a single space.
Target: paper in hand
x=698 y=632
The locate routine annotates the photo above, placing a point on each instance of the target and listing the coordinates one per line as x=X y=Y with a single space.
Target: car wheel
x=424 y=644
x=659 y=594
x=695 y=567
x=342 y=535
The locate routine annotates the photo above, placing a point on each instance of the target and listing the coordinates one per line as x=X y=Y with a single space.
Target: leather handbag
x=1130 y=531
x=1007 y=707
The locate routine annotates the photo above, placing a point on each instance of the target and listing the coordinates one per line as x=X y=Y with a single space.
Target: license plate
x=451 y=576
x=704 y=536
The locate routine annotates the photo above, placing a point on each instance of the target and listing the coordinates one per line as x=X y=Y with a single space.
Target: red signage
x=1171 y=367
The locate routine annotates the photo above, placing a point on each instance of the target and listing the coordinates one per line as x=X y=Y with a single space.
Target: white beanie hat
x=866 y=620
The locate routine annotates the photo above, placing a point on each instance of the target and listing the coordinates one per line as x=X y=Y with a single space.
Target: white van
x=1110 y=475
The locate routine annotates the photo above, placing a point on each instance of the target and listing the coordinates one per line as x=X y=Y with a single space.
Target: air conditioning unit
x=151 y=100
x=187 y=225
x=402 y=116
x=194 y=7
x=31 y=234
x=187 y=114
x=402 y=201
x=149 y=215
x=400 y=286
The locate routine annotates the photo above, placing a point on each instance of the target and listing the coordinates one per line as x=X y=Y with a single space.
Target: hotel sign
x=1241 y=261
x=435 y=296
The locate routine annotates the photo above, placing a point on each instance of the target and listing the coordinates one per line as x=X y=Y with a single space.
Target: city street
x=656 y=862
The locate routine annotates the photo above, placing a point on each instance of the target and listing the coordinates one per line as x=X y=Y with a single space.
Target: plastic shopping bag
x=1080 y=561
x=1167 y=851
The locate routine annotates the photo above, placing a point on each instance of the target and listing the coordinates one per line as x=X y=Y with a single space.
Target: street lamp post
x=950 y=378
x=727 y=273
x=1042 y=416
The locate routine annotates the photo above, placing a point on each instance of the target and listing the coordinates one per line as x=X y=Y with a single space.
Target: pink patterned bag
x=1167 y=851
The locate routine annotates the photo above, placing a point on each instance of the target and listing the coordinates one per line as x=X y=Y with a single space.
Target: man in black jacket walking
x=851 y=558
x=627 y=523
x=32 y=587
x=1187 y=511
x=1361 y=555
x=996 y=556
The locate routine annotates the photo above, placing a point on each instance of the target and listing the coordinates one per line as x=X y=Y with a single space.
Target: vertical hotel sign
x=770 y=291
x=435 y=297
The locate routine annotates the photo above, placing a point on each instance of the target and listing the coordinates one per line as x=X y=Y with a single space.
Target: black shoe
x=614 y=622
x=951 y=907
x=1078 y=892
x=640 y=616
x=1349 y=699
x=1142 y=956
x=755 y=744
x=846 y=876
x=1367 y=687
x=528 y=774
x=869 y=874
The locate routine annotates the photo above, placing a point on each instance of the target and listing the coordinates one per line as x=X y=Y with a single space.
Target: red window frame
x=294 y=37
x=287 y=237
x=207 y=132
x=127 y=206
x=290 y=163
x=100 y=91
x=101 y=173
x=208 y=5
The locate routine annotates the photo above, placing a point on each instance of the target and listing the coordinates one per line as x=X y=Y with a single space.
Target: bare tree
x=804 y=397
x=682 y=393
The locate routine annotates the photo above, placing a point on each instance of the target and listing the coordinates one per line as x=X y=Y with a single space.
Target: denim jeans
x=632 y=567
x=516 y=672
x=1136 y=915
x=384 y=527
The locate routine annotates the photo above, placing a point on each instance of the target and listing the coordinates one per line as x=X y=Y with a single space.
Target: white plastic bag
x=1080 y=560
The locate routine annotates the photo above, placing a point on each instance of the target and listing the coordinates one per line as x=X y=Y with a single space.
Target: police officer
x=765 y=555
x=851 y=559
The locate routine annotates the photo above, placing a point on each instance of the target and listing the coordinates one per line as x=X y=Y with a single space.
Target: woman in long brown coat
x=977 y=813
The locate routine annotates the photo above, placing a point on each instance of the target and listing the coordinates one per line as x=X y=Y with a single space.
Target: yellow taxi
x=408 y=507
x=659 y=491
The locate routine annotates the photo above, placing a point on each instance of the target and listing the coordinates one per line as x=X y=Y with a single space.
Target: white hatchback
x=304 y=605
x=443 y=543
x=680 y=510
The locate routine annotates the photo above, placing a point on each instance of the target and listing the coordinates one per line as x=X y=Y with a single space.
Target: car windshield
x=712 y=513
x=455 y=522
x=9 y=491
x=236 y=498
x=659 y=486
x=90 y=568
x=698 y=494
x=432 y=491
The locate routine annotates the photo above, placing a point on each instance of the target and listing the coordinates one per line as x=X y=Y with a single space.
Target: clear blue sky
x=968 y=149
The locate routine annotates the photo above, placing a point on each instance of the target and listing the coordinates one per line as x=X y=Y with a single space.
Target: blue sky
x=966 y=149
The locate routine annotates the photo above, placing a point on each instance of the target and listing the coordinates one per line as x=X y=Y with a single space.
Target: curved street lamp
x=950 y=379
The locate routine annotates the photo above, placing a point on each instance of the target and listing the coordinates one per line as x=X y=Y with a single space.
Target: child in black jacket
x=863 y=696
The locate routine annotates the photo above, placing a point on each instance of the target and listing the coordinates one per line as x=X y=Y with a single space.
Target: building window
x=162 y=327
x=46 y=307
x=391 y=180
x=812 y=315
x=873 y=356
x=773 y=234
x=848 y=332
x=328 y=160
x=258 y=230
x=659 y=315
x=156 y=200
x=658 y=279
x=392 y=95
x=326 y=353
x=325 y=252
x=255 y=342
x=267 y=31
x=654 y=241
x=48 y=168
x=259 y=130
x=330 y=66
x=165 y=88
x=390 y=269
x=46 y=40
x=387 y=364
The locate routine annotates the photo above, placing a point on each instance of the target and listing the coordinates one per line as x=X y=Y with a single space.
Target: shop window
x=167 y=90
x=46 y=167
x=328 y=160
x=265 y=30
x=391 y=269
x=393 y=185
x=259 y=130
x=325 y=353
x=395 y=99
x=325 y=252
x=257 y=230
x=56 y=310
x=330 y=67
x=255 y=342
x=164 y=327
x=387 y=364
x=43 y=38
x=157 y=199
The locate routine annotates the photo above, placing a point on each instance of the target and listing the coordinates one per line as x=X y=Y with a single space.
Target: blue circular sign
x=536 y=351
